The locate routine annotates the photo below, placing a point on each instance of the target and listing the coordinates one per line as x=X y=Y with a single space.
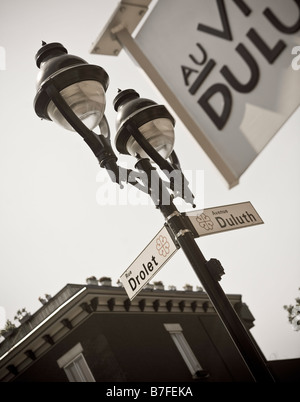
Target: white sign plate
x=148 y=263
x=221 y=219
x=233 y=66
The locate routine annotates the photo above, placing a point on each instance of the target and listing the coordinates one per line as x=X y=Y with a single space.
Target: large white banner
x=233 y=65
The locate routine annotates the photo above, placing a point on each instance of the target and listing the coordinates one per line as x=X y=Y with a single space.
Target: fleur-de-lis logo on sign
x=205 y=222
x=162 y=245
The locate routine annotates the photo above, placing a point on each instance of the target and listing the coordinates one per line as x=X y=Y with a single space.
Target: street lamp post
x=71 y=92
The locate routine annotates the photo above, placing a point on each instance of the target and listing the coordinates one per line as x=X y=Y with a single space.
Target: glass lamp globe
x=81 y=85
x=153 y=121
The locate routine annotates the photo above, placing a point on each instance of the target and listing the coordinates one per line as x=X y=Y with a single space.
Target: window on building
x=185 y=350
x=75 y=365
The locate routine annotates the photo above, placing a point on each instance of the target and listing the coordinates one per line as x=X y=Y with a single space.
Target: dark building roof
x=73 y=304
x=124 y=340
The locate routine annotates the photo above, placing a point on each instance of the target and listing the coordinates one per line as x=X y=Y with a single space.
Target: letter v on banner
x=226 y=32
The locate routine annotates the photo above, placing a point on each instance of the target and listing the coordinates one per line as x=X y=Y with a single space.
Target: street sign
x=148 y=263
x=162 y=246
x=221 y=219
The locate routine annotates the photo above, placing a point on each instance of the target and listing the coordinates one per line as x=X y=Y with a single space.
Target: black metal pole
x=207 y=272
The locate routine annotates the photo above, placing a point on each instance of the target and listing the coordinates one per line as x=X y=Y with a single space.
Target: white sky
x=52 y=229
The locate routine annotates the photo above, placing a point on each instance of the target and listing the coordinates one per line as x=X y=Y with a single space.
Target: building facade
x=92 y=333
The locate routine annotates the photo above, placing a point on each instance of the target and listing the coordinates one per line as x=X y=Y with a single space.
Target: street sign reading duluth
x=221 y=219
x=162 y=247
x=148 y=263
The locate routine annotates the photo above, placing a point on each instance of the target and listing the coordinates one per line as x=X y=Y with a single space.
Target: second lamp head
x=153 y=121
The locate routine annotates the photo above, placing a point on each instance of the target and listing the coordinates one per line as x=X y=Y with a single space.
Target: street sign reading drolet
x=148 y=263
x=221 y=219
